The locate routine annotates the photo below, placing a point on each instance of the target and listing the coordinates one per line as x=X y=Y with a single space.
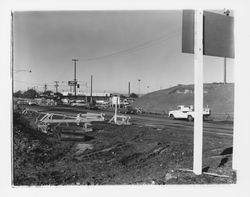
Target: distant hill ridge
x=218 y=96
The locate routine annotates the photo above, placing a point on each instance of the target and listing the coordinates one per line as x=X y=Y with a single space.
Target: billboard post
x=205 y=33
x=198 y=89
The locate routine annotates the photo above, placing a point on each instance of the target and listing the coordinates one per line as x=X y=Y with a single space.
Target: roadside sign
x=72 y=83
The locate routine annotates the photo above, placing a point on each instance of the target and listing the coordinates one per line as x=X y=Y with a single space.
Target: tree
x=31 y=93
x=18 y=94
x=133 y=95
x=58 y=95
x=122 y=96
x=47 y=93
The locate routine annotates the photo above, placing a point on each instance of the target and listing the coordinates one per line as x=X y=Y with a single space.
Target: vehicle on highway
x=186 y=112
x=124 y=103
x=79 y=103
x=22 y=102
x=32 y=103
x=102 y=104
x=128 y=110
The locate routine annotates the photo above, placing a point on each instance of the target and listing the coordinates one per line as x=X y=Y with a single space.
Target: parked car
x=128 y=110
x=32 y=103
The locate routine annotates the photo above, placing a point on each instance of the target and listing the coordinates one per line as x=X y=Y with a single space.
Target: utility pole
x=226 y=12
x=139 y=87
x=129 y=89
x=45 y=87
x=56 y=85
x=225 y=70
x=75 y=60
x=91 y=89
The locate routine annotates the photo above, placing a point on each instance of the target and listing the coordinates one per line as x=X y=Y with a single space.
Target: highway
x=155 y=121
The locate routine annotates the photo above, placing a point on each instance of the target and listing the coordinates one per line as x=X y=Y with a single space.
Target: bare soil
x=113 y=154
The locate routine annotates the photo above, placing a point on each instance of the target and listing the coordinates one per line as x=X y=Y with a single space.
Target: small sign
x=72 y=83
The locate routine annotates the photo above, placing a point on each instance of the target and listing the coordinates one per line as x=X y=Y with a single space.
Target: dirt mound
x=116 y=155
x=219 y=97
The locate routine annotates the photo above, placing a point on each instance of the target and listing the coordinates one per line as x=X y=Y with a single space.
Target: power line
x=33 y=83
x=28 y=82
x=135 y=48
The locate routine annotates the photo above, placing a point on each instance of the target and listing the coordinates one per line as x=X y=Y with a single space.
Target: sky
x=116 y=47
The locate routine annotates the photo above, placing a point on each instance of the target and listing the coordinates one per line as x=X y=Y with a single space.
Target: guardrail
x=222 y=116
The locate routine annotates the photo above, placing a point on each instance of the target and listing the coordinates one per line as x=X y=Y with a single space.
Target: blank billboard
x=188 y=31
x=218 y=34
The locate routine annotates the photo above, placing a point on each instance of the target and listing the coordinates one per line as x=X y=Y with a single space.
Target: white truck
x=186 y=112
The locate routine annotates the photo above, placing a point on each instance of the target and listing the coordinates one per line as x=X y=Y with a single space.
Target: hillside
x=219 y=97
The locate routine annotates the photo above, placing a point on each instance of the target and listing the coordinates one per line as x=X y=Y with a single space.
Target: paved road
x=160 y=122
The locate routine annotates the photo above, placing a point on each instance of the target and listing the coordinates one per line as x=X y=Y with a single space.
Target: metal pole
x=225 y=70
x=116 y=103
x=129 y=89
x=139 y=87
x=75 y=78
x=198 y=89
x=91 y=86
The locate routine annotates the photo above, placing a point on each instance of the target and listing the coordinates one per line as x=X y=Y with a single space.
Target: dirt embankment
x=115 y=155
x=219 y=97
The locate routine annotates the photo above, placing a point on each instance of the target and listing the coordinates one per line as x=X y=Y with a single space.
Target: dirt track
x=151 y=151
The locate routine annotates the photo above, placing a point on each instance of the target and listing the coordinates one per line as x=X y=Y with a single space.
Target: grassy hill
x=219 y=97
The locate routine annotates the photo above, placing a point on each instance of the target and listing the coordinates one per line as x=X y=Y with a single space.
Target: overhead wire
x=135 y=48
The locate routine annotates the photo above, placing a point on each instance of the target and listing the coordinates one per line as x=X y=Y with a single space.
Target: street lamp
x=22 y=70
x=139 y=80
x=18 y=71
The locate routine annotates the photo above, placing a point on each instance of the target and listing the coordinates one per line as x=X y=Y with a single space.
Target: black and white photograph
x=108 y=97
x=124 y=99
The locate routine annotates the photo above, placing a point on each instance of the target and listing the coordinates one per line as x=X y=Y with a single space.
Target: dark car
x=128 y=110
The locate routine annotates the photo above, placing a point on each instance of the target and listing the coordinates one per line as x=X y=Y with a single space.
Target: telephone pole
x=129 y=89
x=56 y=85
x=91 y=89
x=139 y=87
x=75 y=60
x=45 y=87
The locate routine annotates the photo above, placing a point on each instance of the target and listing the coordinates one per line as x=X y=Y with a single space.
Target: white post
x=198 y=91
x=116 y=102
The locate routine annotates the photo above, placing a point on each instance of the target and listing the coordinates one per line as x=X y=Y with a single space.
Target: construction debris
x=120 y=120
x=61 y=124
